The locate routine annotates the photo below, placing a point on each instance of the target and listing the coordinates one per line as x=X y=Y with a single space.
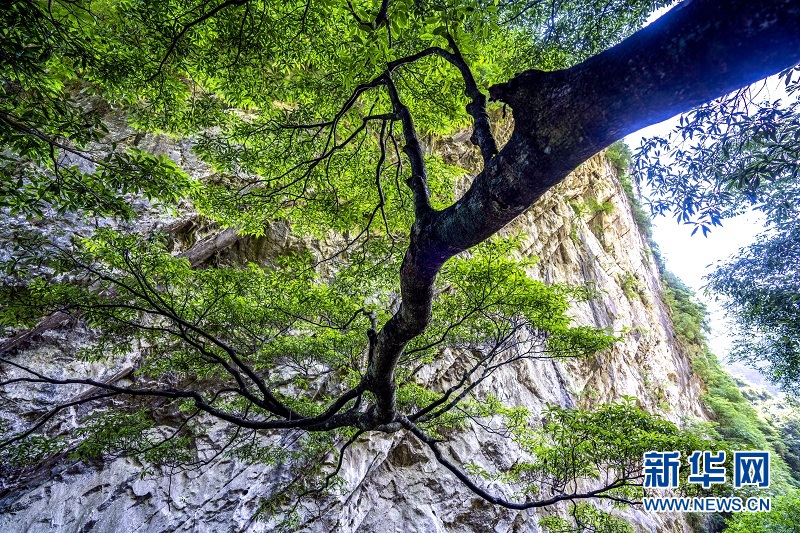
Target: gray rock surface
x=392 y=482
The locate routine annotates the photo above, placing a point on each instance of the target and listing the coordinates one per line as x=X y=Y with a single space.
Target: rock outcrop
x=582 y=232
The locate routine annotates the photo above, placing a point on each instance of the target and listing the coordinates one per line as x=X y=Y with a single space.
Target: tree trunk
x=700 y=50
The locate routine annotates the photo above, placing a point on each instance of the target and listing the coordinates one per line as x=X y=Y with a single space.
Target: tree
x=733 y=154
x=311 y=113
x=762 y=287
x=782 y=518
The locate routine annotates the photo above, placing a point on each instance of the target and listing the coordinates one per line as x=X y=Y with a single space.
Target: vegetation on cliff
x=310 y=113
x=736 y=423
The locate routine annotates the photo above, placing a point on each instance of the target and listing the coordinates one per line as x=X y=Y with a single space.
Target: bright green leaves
x=30 y=188
x=236 y=71
x=735 y=421
x=613 y=437
x=552 y=36
x=489 y=314
x=286 y=322
x=28 y=451
x=586 y=517
x=488 y=303
x=57 y=151
x=723 y=158
x=761 y=287
x=442 y=180
x=347 y=177
x=115 y=433
x=287 y=103
x=574 y=452
x=347 y=180
x=783 y=517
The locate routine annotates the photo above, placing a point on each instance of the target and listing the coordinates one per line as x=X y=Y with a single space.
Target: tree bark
x=206 y=248
x=700 y=50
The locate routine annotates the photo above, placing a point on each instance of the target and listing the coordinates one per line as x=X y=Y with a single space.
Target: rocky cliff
x=583 y=232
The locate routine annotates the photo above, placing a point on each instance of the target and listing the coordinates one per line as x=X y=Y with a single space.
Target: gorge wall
x=582 y=232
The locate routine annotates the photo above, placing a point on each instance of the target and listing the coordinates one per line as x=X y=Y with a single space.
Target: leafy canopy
x=242 y=77
x=305 y=114
x=737 y=153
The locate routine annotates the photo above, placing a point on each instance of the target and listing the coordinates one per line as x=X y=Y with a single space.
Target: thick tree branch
x=700 y=50
x=207 y=248
x=418 y=181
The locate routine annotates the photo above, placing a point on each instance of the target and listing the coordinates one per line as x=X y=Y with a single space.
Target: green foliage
x=631 y=286
x=727 y=155
x=783 y=517
x=56 y=146
x=640 y=216
x=29 y=451
x=762 y=290
x=486 y=300
x=115 y=433
x=734 y=154
x=580 y=444
x=590 y=207
x=488 y=296
x=234 y=73
x=195 y=321
x=789 y=445
x=621 y=158
x=587 y=209
x=735 y=420
x=688 y=315
x=586 y=517
x=307 y=461
x=280 y=103
x=614 y=435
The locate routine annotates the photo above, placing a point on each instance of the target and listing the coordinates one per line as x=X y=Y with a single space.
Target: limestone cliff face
x=582 y=232
x=602 y=245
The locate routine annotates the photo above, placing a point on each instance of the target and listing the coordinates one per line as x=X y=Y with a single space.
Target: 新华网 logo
x=706 y=468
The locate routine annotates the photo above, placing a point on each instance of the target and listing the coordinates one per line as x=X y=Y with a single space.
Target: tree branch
x=465 y=479
x=329 y=419
x=187 y=27
x=698 y=51
x=418 y=182
x=196 y=255
x=481 y=133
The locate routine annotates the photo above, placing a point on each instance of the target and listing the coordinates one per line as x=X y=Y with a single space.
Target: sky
x=691 y=257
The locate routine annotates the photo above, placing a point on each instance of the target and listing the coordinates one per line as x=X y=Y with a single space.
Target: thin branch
x=381 y=17
x=51 y=413
x=464 y=478
x=189 y=26
x=329 y=419
x=196 y=255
